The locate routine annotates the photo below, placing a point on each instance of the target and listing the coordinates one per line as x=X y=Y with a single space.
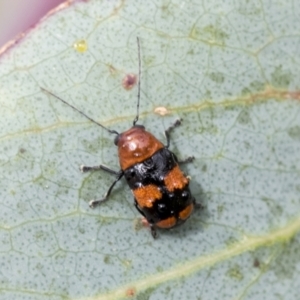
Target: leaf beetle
x=160 y=189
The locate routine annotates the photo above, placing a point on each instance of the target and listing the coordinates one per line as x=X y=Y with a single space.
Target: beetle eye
x=116 y=140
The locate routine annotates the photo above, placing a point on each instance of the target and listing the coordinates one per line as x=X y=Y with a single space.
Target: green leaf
x=231 y=72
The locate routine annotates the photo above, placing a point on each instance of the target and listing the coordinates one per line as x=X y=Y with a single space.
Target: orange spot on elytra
x=186 y=212
x=146 y=195
x=175 y=179
x=167 y=223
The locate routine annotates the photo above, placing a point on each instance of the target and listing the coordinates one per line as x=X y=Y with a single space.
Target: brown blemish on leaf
x=256 y=263
x=129 y=81
x=130 y=292
x=22 y=150
x=112 y=70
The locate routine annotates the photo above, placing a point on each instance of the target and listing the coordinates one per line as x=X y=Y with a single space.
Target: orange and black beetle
x=161 y=190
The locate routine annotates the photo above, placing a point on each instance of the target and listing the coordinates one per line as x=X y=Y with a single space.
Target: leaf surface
x=231 y=72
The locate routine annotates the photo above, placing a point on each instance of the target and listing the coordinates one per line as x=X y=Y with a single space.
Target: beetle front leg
x=187 y=160
x=167 y=132
x=94 y=203
x=84 y=169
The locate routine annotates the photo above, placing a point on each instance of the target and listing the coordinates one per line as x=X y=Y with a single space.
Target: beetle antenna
x=82 y=113
x=139 y=85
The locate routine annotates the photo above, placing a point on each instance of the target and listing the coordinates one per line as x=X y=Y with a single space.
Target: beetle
x=160 y=189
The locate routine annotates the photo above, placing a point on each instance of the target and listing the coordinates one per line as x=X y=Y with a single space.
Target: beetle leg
x=198 y=205
x=189 y=159
x=94 y=203
x=139 y=210
x=153 y=231
x=152 y=227
x=167 y=132
x=84 y=169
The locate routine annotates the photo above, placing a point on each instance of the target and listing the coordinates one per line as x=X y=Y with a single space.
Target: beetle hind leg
x=152 y=227
x=153 y=231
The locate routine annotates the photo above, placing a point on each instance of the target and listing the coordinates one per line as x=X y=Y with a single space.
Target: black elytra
x=153 y=172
